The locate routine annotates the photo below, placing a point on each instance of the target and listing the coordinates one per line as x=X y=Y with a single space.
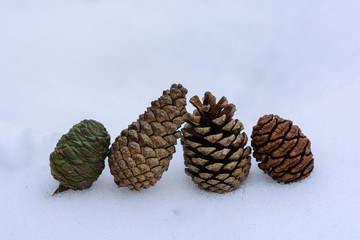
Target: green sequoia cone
x=78 y=158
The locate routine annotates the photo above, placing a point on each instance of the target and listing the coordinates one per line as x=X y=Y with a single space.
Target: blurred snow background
x=64 y=61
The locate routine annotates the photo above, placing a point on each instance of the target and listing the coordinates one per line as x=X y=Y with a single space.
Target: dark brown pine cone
x=282 y=149
x=142 y=153
x=214 y=149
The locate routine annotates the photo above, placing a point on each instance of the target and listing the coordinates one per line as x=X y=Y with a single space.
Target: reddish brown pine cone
x=142 y=153
x=282 y=149
x=215 y=155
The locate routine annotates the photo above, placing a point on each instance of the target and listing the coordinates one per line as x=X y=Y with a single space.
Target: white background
x=64 y=61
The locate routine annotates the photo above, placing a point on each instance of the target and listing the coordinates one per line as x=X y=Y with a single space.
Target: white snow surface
x=64 y=61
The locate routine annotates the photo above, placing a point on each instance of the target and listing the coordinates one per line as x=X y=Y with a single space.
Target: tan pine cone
x=142 y=153
x=214 y=147
x=282 y=149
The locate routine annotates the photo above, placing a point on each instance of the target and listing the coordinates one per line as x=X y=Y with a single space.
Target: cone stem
x=60 y=189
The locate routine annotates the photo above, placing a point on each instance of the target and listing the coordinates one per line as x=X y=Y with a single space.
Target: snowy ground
x=64 y=61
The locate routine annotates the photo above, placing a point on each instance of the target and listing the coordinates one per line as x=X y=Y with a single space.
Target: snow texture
x=64 y=61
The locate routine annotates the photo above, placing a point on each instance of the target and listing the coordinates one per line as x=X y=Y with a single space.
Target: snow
x=64 y=61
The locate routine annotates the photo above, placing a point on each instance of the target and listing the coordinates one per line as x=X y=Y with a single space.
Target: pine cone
x=78 y=158
x=282 y=149
x=142 y=153
x=215 y=157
